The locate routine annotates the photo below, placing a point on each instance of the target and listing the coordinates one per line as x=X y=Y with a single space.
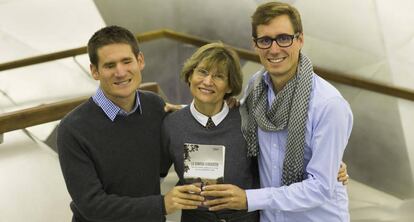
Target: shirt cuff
x=257 y=199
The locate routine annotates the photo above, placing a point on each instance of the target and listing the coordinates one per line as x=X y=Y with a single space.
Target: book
x=204 y=163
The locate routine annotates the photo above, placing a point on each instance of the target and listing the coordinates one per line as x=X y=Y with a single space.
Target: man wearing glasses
x=296 y=123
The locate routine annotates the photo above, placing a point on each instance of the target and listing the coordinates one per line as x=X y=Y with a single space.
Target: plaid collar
x=110 y=109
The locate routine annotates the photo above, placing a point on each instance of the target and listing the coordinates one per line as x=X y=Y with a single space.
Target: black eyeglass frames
x=282 y=40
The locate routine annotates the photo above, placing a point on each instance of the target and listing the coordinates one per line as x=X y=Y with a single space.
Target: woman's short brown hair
x=220 y=55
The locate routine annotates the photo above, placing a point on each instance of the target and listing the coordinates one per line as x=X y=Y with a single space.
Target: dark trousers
x=229 y=216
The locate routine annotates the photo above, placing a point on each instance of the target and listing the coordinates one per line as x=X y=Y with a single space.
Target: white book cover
x=204 y=163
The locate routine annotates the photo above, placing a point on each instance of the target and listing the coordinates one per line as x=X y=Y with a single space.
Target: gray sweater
x=181 y=127
x=112 y=169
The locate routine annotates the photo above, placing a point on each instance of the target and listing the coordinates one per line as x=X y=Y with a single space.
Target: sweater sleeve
x=166 y=160
x=87 y=191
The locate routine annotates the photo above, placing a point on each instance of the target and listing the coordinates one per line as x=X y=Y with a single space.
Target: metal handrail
x=50 y=112
x=351 y=80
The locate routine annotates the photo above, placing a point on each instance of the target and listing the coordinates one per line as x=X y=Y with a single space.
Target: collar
x=202 y=119
x=271 y=95
x=110 y=109
x=267 y=80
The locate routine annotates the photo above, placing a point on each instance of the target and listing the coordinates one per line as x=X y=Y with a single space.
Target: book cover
x=204 y=163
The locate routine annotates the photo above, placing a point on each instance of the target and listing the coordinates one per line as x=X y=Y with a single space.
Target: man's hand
x=182 y=197
x=343 y=174
x=171 y=107
x=228 y=196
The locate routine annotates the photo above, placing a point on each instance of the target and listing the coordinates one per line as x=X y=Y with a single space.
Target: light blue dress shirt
x=320 y=197
x=111 y=109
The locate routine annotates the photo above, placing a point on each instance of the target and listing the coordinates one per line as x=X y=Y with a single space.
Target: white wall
x=31 y=183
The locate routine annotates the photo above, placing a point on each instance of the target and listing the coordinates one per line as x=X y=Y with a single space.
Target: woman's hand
x=343 y=174
x=182 y=197
x=228 y=196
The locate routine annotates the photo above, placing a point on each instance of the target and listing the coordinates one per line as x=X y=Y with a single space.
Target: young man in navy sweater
x=109 y=147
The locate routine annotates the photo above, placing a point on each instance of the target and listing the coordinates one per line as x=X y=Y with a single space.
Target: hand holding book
x=183 y=197
x=227 y=196
x=203 y=165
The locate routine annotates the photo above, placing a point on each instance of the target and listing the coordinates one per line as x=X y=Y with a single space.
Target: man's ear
x=301 y=39
x=141 y=60
x=254 y=47
x=94 y=71
x=253 y=44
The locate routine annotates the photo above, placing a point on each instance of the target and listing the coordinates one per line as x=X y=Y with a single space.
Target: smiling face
x=209 y=91
x=278 y=61
x=119 y=73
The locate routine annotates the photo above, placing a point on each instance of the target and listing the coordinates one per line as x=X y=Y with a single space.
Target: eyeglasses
x=282 y=40
x=203 y=73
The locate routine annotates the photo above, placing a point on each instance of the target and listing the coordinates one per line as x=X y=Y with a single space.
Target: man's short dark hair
x=270 y=10
x=110 y=35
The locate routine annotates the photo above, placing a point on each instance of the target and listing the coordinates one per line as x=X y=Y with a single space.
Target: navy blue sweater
x=112 y=169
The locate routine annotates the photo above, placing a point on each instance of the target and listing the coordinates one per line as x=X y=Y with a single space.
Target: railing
x=50 y=112
x=144 y=37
